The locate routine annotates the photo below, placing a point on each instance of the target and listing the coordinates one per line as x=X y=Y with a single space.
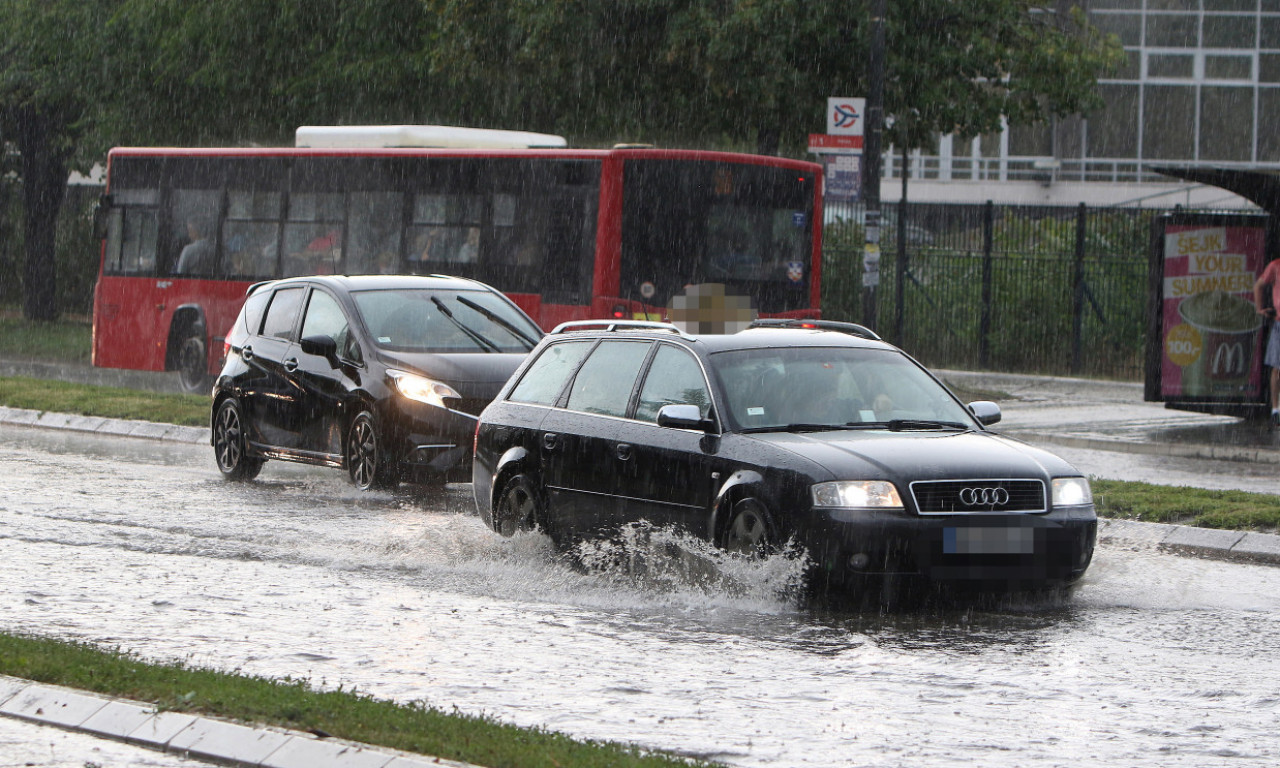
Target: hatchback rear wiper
x=474 y=335
x=495 y=317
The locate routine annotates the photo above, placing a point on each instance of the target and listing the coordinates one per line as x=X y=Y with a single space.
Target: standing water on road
x=1156 y=661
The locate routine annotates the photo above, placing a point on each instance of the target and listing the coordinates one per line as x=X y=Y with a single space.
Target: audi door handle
x=550 y=441
x=624 y=451
x=291 y=364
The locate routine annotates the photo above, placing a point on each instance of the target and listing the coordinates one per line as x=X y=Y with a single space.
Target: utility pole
x=871 y=175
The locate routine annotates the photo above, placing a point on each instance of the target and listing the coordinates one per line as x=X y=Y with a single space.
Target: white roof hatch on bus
x=421 y=136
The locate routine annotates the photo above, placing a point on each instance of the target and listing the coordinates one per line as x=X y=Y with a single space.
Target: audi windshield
x=799 y=388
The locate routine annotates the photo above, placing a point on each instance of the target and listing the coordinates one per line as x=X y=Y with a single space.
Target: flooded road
x=1156 y=661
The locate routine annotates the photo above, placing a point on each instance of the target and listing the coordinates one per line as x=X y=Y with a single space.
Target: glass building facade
x=1199 y=85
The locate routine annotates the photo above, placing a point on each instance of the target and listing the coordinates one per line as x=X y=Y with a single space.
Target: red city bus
x=568 y=234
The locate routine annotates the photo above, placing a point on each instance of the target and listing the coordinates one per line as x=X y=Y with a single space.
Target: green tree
x=50 y=78
x=712 y=72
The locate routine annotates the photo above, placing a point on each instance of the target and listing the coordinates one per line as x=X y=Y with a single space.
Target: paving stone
x=1259 y=547
x=53 y=705
x=10 y=686
x=220 y=740
x=1132 y=533
x=161 y=728
x=309 y=752
x=118 y=719
x=1203 y=541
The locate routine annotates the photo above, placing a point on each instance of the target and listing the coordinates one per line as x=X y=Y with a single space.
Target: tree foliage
x=78 y=76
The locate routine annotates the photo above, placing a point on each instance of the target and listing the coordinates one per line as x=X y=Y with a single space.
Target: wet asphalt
x=1069 y=413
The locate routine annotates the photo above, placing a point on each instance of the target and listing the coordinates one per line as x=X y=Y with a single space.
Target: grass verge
x=295 y=704
x=1231 y=510
x=105 y=402
x=61 y=340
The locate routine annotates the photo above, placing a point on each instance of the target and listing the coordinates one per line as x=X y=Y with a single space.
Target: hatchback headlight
x=1071 y=492
x=422 y=389
x=863 y=494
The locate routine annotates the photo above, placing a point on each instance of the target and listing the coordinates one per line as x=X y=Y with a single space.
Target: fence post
x=984 y=319
x=1077 y=294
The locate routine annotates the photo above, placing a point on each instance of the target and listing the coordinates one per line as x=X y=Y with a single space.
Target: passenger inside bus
x=198 y=257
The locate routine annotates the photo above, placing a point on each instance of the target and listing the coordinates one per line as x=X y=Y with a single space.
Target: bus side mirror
x=102 y=217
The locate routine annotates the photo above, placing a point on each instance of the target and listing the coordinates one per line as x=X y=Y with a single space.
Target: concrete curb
x=1181 y=450
x=1214 y=544
x=113 y=427
x=192 y=736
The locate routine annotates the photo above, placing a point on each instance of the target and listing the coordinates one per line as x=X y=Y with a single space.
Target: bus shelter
x=1205 y=338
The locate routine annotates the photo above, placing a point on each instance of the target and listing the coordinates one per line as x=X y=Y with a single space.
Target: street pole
x=871 y=175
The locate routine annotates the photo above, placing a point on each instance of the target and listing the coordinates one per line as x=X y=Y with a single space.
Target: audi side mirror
x=985 y=411
x=682 y=416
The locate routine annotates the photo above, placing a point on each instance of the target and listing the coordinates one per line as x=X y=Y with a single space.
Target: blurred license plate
x=988 y=541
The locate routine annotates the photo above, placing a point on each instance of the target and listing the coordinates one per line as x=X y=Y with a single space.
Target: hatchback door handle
x=624 y=451
x=291 y=364
x=550 y=441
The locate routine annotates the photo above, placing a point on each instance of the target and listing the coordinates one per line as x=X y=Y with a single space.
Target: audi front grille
x=972 y=497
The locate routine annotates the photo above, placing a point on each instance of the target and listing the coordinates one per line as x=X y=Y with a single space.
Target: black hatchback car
x=381 y=375
x=815 y=433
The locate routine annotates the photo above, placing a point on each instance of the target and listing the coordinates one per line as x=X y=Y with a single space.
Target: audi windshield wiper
x=898 y=425
x=803 y=427
x=495 y=317
x=474 y=335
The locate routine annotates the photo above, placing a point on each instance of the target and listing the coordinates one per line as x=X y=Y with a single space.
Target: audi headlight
x=1071 y=492
x=422 y=389
x=864 y=494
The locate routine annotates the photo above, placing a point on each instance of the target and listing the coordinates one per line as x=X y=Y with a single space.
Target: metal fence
x=1026 y=289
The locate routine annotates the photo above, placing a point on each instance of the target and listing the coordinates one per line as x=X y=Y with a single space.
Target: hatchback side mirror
x=682 y=416
x=985 y=411
x=321 y=346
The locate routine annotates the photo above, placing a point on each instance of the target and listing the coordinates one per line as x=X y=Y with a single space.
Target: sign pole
x=871 y=176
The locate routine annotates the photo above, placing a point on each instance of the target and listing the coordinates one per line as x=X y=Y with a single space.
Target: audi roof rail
x=615 y=325
x=817 y=325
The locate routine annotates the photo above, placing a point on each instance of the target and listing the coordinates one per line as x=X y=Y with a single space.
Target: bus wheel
x=367 y=463
x=229 y=444
x=193 y=366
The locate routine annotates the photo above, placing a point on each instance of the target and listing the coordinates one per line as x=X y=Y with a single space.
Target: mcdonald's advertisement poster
x=1211 y=329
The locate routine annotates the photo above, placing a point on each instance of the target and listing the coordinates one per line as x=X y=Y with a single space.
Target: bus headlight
x=422 y=389
x=862 y=494
x=1071 y=492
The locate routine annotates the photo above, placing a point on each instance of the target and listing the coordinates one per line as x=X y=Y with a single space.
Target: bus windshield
x=746 y=226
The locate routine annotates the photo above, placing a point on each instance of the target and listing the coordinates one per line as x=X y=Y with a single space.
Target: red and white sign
x=845 y=116
x=822 y=142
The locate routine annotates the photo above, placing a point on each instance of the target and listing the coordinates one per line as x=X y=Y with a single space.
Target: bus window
x=313 y=234
x=445 y=232
x=193 y=214
x=373 y=241
x=132 y=233
x=251 y=233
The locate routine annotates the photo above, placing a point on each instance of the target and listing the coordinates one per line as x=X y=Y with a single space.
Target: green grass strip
x=294 y=704
x=1230 y=510
x=61 y=340
x=104 y=402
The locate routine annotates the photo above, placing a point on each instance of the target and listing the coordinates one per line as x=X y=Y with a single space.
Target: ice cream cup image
x=1228 y=327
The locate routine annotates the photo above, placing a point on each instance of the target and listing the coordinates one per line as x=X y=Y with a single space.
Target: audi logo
x=984 y=497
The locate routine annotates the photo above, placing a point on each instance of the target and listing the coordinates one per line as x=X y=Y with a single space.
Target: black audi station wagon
x=815 y=433
x=383 y=376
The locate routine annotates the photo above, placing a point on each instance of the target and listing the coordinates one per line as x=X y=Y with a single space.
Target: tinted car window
x=444 y=321
x=545 y=379
x=254 y=306
x=604 y=383
x=325 y=318
x=829 y=385
x=282 y=313
x=674 y=377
